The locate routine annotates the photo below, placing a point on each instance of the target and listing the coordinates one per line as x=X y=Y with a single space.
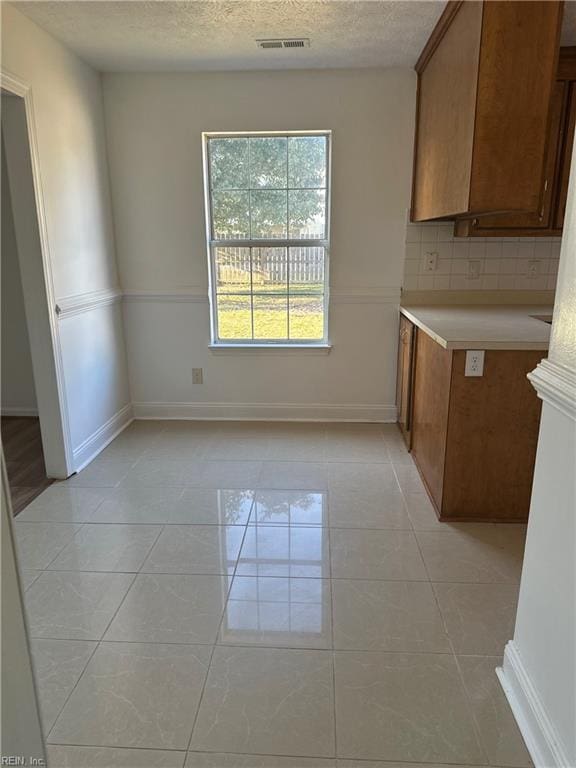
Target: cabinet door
x=515 y=223
x=485 y=82
x=431 y=393
x=404 y=381
x=516 y=79
x=447 y=85
x=566 y=157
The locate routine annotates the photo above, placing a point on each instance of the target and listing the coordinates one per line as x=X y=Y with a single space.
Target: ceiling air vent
x=296 y=42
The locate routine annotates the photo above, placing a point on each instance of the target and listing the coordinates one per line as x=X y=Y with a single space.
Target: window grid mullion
x=273 y=243
x=252 y=294
x=287 y=249
x=287 y=244
x=250 y=232
x=287 y=252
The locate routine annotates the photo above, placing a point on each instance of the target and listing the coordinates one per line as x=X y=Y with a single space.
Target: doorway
x=35 y=432
x=20 y=425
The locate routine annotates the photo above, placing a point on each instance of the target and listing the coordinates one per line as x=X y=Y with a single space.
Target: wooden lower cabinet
x=474 y=439
x=406 y=341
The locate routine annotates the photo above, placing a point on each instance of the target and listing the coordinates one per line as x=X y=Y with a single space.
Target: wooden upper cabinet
x=565 y=154
x=485 y=83
x=550 y=218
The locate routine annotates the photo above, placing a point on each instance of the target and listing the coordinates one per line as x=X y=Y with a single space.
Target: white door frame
x=38 y=288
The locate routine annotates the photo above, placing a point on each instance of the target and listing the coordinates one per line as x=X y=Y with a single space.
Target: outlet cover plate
x=474 y=362
x=430 y=261
x=474 y=269
x=533 y=270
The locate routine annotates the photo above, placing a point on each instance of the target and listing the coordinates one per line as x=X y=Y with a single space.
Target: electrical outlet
x=474 y=362
x=430 y=261
x=533 y=269
x=197 y=377
x=474 y=269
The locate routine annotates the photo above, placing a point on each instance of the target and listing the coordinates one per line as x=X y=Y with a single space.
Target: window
x=267 y=203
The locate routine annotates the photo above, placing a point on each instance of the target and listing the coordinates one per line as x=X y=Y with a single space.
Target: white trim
x=193 y=295
x=93 y=445
x=240 y=134
x=286 y=242
x=540 y=735
x=556 y=385
x=19 y=410
x=12 y=84
x=265 y=412
x=365 y=296
x=361 y=295
x=68 y=306
x=269 y=349
x=276 y=242
x=59 y=459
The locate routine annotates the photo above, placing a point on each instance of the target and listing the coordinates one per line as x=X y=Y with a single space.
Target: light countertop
x=483 y=326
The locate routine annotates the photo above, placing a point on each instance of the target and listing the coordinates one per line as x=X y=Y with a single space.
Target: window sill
x=270 y=349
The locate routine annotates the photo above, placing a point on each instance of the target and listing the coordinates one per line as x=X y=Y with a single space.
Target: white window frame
x=212 y=244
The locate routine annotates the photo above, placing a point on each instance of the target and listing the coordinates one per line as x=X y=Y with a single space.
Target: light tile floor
x=259 y=595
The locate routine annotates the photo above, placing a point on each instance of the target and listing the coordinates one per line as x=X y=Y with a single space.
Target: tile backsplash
x=508 y=263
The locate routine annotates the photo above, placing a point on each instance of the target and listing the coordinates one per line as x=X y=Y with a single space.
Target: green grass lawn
x=270 y=317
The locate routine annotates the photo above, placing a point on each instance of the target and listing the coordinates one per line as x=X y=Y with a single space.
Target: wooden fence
x=270 y=265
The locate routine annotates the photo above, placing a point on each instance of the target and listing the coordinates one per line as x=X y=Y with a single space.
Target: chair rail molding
x=556 y=385
x=365 y=295
x=198 y=294
x=191 y=295
x=68 y=306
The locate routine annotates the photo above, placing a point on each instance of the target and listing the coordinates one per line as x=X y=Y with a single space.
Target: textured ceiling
x=221 y=34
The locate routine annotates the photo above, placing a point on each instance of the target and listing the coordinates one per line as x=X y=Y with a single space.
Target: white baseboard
x=16 y=410
x=542 y=741
x=95 y=444
x=265 y=412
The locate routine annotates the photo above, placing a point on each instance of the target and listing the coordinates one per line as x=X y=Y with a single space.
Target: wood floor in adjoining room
x=24 y=457
x=233 y=595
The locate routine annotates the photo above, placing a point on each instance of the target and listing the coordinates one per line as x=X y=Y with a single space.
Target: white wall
x=539 y=672
x=18 y=392
x=154 y=125
x=69 y=131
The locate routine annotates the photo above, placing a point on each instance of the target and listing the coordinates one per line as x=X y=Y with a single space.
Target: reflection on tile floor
x=260 y=595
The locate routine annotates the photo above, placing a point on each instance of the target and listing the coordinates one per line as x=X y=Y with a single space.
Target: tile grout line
x=368 y=761
x=214 y=645
x=468 y=698
x=477 y=732
x=98 y=644
x=252 y=576
x=166 y=430
x=70 y=540
x=333 y=654
x=372 y=651
x=471 y=714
